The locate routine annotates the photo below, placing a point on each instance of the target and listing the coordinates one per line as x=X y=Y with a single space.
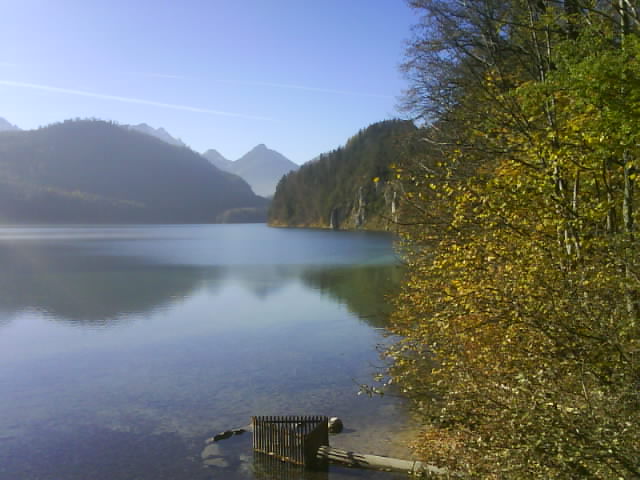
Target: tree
x=338 y=188
x=519 y=321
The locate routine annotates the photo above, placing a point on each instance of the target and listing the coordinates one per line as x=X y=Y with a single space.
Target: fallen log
x=376 y=462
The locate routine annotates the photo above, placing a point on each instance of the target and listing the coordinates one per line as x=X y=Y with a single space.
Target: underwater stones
x=211 y=457
x=216 y=462
x=210 y=451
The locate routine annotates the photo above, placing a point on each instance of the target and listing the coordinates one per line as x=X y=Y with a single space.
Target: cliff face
x=374 y=207
x=348 y=188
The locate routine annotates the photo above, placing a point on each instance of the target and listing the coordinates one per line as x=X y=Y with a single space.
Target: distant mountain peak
x=218 y=160
x=214 y=153
x=261 y=167
x=5 y=126
x=160 y=133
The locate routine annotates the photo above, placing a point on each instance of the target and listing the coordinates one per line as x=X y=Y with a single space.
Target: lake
x=123 y=348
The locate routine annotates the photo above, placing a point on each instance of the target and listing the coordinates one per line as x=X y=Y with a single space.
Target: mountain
x=99 y=172
x=350 y=187
x=218 y=160
x=6 y=126
x=262 y=168
x=160 y=133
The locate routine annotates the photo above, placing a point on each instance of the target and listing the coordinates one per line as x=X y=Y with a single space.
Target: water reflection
x=264 y=281
x=364 y=289
x=266 y=467
x=200 y=328
x=97 y=454
x=105 y=290
x=90 y=289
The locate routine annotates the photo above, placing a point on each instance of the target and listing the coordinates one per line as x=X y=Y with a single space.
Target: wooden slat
x=293 y=439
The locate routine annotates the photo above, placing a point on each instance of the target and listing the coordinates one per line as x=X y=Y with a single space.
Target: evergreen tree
x=348 y=187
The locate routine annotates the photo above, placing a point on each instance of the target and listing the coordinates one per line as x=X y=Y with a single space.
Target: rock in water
x=335 y=425
x=221 y=436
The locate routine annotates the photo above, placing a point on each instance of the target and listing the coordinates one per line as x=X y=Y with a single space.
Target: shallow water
x=123 y=348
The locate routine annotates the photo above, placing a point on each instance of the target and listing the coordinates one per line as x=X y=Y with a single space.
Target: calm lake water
x=123 y=348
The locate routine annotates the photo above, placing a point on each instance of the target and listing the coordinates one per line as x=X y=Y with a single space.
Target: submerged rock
x=210 y=451
x=216 y=462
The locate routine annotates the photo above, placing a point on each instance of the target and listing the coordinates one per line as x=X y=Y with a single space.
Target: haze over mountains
x=261 y=167
x=89 y=171
x=5 y=126
x=217 y=159
x=160 y=133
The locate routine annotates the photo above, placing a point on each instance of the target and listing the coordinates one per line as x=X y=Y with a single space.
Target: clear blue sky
x=298 y=75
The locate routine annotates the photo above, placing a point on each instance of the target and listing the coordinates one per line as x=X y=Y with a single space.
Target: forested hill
x=98 y=172
x=348 y=187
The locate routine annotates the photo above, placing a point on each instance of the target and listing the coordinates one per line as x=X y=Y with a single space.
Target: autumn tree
x=519 y=317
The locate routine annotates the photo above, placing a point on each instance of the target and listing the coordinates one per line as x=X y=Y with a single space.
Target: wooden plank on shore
x=376 y=462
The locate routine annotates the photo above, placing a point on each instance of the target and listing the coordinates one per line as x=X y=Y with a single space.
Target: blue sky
x=298 y=75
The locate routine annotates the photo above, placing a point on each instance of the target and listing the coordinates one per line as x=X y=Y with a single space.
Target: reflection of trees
x=93 y=290
x=266 y=467
x=264 y=280
x=70 y=284
x=363 y=289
